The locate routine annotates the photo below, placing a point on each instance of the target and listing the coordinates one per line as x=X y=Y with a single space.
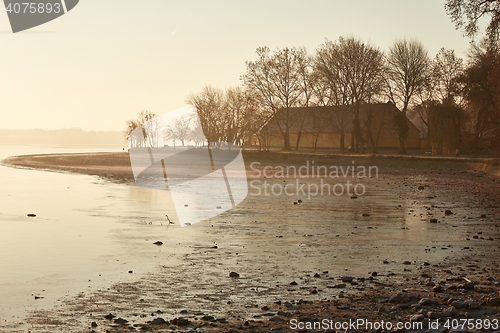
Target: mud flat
x=420 y=244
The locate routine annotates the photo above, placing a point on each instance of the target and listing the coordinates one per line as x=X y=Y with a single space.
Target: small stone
x=159 y=321
x=417 y=317
x=433 y=315
x=407 y=262
x=293 y=283
x=109 y=316
x=275 y=319
x=472 y=304
x=494 y=301
x=366 y=215
x=450 y=312
x=130 y=272
x=180 y=322
x=433 y=220
x=234 y=275
x=425 y=301
x=347 y=279
x=421 y=187
x=158 y=243
x=448 y=212
x=93 y=324
x=437 y=288
x=121 y=321
x=31 y=215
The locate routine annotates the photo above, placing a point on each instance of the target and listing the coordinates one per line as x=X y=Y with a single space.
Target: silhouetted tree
x=407 y=70
x=276 y=81
x=467 y=13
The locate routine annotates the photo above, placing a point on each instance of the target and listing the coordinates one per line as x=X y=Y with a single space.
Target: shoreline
x=116 y=166
x=464 y=285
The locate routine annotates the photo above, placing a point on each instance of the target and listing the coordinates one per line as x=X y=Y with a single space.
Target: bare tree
x=210 y=103
x=446 y=69
x=149 y=127
x=276 y=81
x=466 y=15
x=352 y=71
x=407 y=70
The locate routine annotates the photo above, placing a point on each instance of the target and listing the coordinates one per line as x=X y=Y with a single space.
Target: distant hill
x=70 y=136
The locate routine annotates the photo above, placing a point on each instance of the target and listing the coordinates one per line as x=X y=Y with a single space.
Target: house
x=326 y=127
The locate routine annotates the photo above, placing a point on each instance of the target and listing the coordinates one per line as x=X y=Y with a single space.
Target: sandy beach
x=418 y=247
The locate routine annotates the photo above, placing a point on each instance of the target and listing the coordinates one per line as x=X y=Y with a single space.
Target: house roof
x=330 y=119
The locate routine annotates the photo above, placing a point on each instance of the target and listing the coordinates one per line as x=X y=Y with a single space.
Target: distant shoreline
x=115 y=166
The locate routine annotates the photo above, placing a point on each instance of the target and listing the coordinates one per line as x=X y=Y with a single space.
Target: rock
x=395 y=298
x=472 y=304
x=448 y=212
x=467 y=286
x=433 y=220
x=109 y=316
x=338 y=285
x=317 y=275
x=385 y=262
x=437 y=288
x=433 y=315
x=234 y=275
x=299 y=201
x=421 y=187
x=159 y=321
x=407 y=262
x=158 y=243
x=293 y=283
x=347 y=278
x=425 y=301
x=93 y=324
x=354 y=197
x=31 y=215
x=275 y=319
x=284 y=314
x=343 y=307
x=366 y=215
x=458 y=304
x=130 y=272
x=180 y=321
x=121 y=321
x=288 y=305
x=417 y=317
x=493 y=301
x=208 y=318
x=450 y=312
x=374 y=273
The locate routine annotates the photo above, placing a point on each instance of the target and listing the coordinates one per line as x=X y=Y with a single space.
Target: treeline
x=453 y=102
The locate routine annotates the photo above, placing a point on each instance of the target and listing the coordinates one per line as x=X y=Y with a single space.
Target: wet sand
x=377 y=256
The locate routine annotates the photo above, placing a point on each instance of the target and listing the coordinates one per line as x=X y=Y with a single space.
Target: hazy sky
x=106 y=60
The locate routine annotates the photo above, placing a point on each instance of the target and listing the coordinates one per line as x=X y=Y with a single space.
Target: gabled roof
x=327 y=119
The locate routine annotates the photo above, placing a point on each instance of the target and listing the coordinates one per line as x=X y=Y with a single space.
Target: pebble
x=234 y=275
x=450 y=312
x=347 y=278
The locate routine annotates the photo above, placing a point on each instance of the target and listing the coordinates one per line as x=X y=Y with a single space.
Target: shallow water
x=88 y=234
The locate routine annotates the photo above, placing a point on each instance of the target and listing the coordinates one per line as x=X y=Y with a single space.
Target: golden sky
x=106 y=60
